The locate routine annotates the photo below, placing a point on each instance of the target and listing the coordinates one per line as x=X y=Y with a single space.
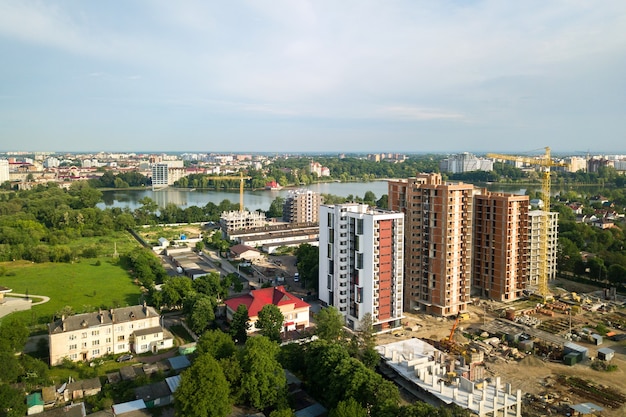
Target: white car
x=296 y=277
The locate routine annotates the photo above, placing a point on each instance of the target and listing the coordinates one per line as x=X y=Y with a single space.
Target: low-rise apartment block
x=84 y=337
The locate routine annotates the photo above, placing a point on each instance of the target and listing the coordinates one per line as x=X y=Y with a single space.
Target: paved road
x=18 y=302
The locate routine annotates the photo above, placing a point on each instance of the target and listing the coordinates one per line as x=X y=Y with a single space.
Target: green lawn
x=83 y=285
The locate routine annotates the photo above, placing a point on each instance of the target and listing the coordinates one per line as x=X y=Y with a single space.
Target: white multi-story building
x=241 y=220
x=160 y=175
x=534 y=222
x=84 y=337
x=361 y=266
x=465 y=162
x=4 y=170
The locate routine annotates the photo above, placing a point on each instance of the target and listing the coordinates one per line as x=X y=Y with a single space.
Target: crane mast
x=241 y=183
x=544 y=162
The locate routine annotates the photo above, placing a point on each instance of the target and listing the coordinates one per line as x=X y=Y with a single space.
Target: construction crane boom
x=241 y=183
x=545 y=162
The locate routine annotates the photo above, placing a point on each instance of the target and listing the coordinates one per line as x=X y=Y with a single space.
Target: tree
x=202 y=313
x=270 y=322
x=13 y=335
x=367 y=342
x=203 y=390
x=308 y=265
x=283 y=412
x=216 y=343
x=329 y=324
x=263 y=380
x=276 y=208
x=617 y=274
x=11 y=402
x=348 y=408
x=240 y=324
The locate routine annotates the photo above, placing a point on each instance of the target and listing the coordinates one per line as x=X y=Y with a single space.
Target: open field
x=152 y=234
x=83 y=285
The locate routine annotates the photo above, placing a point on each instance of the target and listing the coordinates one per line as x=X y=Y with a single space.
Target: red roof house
x=295 y=310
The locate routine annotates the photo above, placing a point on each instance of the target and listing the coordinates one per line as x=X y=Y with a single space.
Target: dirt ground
x=532 y=374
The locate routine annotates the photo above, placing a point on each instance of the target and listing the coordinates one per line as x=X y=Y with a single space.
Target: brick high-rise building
x=302 y=206
x=501 y=249
x=438 y=241
x=361 y=263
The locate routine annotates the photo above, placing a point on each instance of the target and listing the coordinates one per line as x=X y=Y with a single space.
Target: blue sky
x=313 y=76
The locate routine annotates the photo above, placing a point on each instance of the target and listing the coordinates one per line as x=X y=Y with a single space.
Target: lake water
x=252 y=200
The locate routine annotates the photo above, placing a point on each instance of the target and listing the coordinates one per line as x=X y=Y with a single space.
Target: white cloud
x=419 y=113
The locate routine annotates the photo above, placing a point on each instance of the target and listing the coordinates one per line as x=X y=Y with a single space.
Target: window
x=144 y=347
x=95 y=352
x=73 y=347
x=84 y=335
x=74 y=356
x=143 y=337
x=72 y=337
x=84 y=345
x=108 y=340
x=359 y=261
x=359 y=226
x=121 y=347
x=95 y=342
x=95 y=332
x=120 y=338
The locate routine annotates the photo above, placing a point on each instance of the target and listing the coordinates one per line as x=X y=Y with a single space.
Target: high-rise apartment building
x=535 y=226
x=438 y=231
x=160 y=175
x=4 y=170
x=302 y=206
x=361 y=263
x=500 y=256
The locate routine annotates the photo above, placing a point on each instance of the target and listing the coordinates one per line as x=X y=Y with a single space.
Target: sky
x=407 y=76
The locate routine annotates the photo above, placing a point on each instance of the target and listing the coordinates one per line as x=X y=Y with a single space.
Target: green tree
x=329 y=324
x=308 y=265
x=270 y=322
x=263 y=382
x=617 y=274
x=369 y=198
x=13 y=335
x=276 y=208
x=12 y=402
x=216 y=343
x=348 y=408
x=203 y=390
x=240 y=324
x=202 y=313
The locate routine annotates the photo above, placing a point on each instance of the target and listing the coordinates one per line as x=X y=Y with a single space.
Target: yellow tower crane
x=544 y=162
x=241 y=182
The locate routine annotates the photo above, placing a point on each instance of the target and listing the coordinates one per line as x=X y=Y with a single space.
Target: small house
x=155 y=395
x=128 y=407
x=605 y=354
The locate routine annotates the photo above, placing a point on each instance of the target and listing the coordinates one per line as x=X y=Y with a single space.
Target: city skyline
x=311 y=77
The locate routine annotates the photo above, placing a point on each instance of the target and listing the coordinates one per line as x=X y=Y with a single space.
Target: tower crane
x=545 y=162
x=241 y=182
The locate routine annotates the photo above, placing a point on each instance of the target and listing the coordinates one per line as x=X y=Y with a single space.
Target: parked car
x=125 y=358
x=296 y=277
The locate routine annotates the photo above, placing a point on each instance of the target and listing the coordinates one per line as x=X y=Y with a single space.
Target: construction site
x=527 y=358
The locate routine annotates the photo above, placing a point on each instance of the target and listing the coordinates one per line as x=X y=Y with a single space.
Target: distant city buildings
x=361 y=263
x=302 y=206
x=4 y=171
x=465 y=162
x=318 y=169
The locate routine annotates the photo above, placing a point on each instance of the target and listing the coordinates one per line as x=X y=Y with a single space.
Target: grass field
x=84 y=286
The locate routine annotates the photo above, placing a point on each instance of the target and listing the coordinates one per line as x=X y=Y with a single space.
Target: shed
x=173 y=382
x=595 y=339
x=178 y=363
x=49 y=395
x=34 y=402
x=526 y=345
x=163 y=242
x=585 y=409
x=570 y=359
x=120 y=409
x=605 y=354
x=570 y=347
x=154 y=395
